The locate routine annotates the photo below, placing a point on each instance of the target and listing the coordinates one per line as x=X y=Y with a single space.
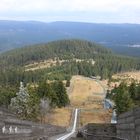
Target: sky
x=95 y=11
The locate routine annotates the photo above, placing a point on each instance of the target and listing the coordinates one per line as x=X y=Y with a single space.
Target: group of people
x=9 y=130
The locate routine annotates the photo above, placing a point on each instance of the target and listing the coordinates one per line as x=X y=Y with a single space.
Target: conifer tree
x=19 y=103
x=132 y=90
x=123 y=101
x=61 y=94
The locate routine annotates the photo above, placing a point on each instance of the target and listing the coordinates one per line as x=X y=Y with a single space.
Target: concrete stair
x=26 y=130
x=99 y=132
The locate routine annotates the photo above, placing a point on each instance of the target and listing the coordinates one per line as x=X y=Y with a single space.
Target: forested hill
x=63 y=49
x=12 y=63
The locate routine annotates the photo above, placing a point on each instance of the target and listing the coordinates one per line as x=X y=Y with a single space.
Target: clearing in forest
x=86 y=94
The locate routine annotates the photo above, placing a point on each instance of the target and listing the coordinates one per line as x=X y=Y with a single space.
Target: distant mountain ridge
x=15 y=34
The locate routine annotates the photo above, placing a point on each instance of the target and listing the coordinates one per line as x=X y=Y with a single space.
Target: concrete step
x=76 y=139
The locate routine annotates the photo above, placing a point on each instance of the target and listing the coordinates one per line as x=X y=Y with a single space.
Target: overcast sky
x=101 y=11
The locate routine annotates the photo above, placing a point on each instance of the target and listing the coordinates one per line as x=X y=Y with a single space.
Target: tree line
x=12 y=63
x=105 y=66
x=125 y=96
x=34 y=101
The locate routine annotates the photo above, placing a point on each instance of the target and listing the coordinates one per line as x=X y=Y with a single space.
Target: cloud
x=62 y=8
x=67 y=5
